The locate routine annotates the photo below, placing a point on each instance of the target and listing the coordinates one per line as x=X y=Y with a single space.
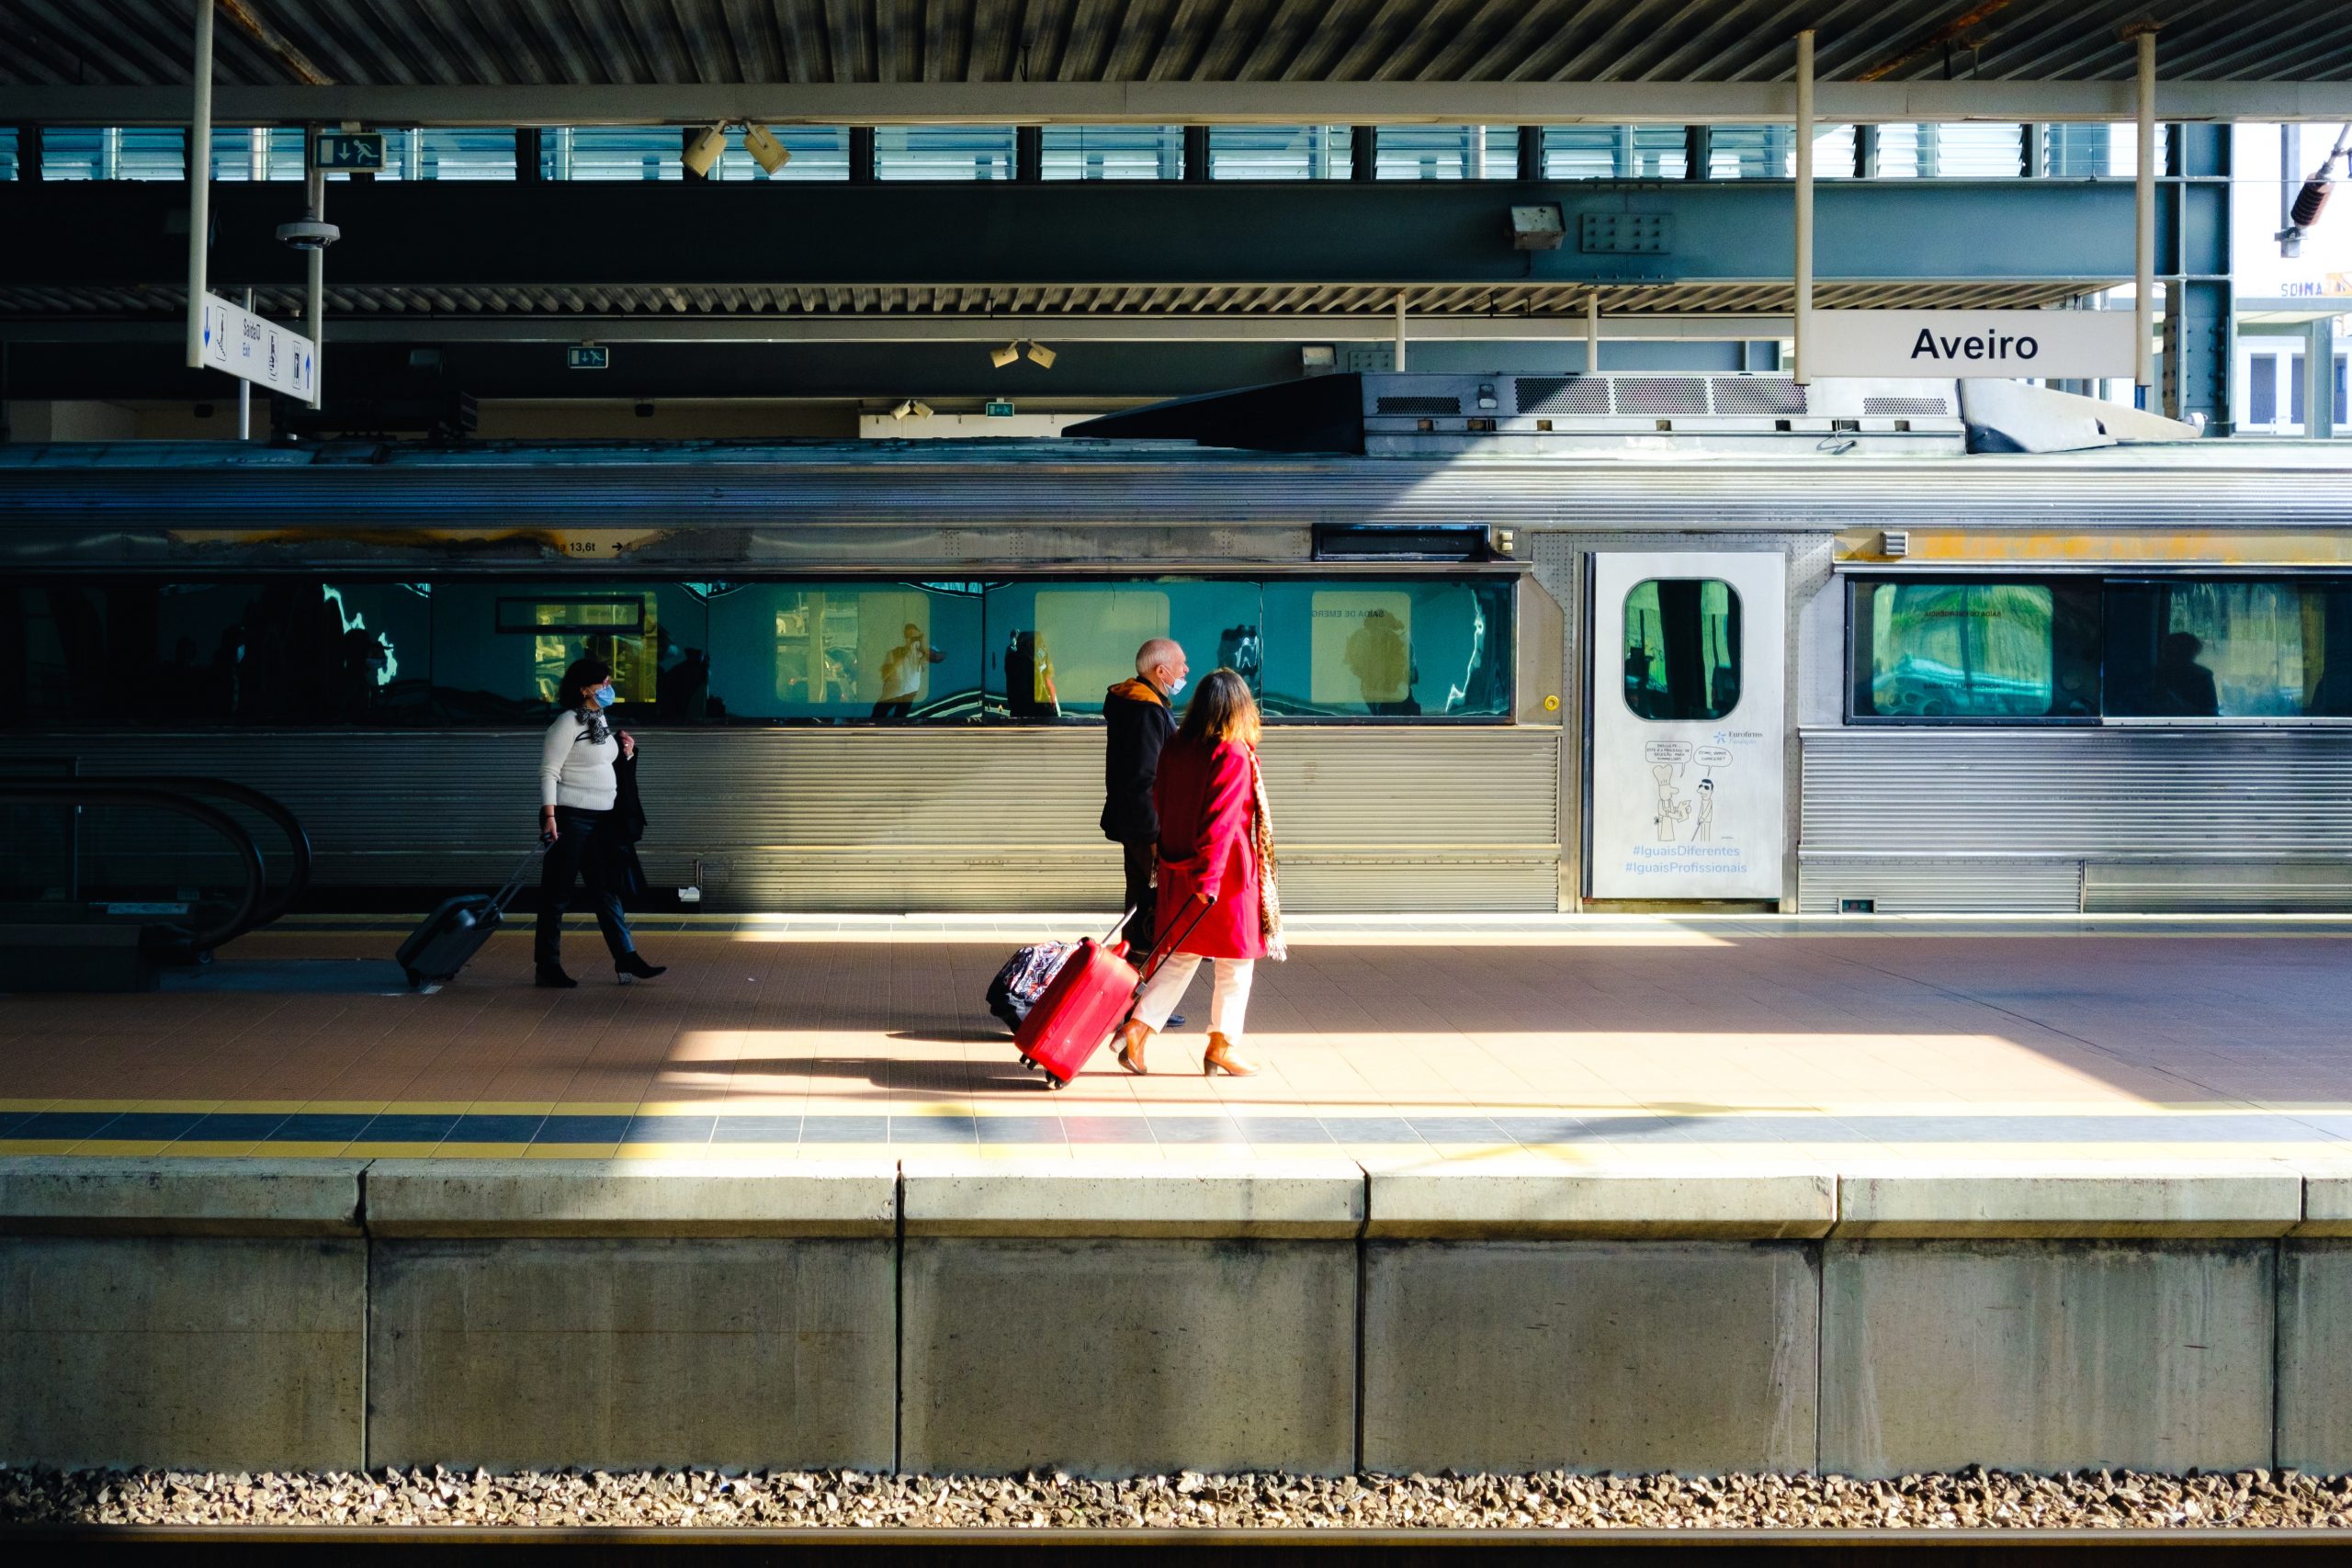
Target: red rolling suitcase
x=1090 y=998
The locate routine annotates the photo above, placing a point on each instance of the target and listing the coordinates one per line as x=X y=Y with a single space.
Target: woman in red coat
x=1215 y=871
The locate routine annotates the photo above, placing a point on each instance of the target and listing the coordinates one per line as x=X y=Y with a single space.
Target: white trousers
x=1228 y=994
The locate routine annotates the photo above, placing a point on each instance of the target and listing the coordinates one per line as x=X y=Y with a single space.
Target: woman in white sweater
x=578 y=824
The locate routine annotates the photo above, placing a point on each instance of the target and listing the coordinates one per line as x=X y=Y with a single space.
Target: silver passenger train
x=1526 y=643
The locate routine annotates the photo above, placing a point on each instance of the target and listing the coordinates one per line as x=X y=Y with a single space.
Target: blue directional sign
x=348 y=150
x=587 y=357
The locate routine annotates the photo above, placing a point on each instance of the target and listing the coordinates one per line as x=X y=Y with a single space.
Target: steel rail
x=297 y=838
x=90 y=792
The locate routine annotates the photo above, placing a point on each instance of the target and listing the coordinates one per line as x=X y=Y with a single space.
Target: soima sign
x=2073 y=343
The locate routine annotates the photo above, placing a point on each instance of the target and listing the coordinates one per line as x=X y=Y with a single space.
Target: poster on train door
x=1686 y=778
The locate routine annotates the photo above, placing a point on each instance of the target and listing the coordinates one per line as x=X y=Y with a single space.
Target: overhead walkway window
x=1752 y=152
x=8 y=152
x=1615 y=152
x=944 y=153
x=258 y=153
x=113 y=152
x=1446 y=152
x=307 y=652
x=1113 y=153
x=658 y=152
x=1951 y=151
x=819 y=152
x=444 y=153
x=2093 y=152
x=1279 y=152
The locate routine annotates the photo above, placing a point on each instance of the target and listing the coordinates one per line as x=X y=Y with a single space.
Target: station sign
x=358 y=152
x=1965 y=344
x=998 y=408
x=587 y=357
x=259 y=351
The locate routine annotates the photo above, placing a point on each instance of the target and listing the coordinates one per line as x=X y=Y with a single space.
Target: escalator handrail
x=297 y=841
x=96 y=792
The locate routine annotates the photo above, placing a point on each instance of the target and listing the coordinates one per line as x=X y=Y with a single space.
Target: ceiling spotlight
x=1040 y=355
x=1000 y=357
x=706 y=150
x=911 y=409
x=771 y=153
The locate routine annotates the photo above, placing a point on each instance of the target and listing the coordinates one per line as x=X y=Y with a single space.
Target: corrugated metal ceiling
x=1442 y=302
x=498 y=42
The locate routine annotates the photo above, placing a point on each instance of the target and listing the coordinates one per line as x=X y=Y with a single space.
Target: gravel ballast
x=1971 y=1499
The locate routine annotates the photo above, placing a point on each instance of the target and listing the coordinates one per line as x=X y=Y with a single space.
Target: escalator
x=56 y=936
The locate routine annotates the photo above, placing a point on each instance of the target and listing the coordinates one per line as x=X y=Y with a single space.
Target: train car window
x=499 y=649
x=2207 y=649
x=1681 y=653
x=893 y=653
x=1055 y=650
x=1375 y=648
x=1975 y=651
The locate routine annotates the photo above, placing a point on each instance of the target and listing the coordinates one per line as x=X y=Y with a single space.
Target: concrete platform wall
x=1317 y=1316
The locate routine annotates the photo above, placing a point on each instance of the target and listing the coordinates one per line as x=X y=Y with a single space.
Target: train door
x=1688 y=650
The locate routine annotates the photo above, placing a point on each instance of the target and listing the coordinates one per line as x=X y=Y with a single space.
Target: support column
x=1592 y=332
x=861 y=155
x=2192 y=262
x=2319 y=380
x=1803 y=329
x=314 y=311
x=2144 y=241
x=1400 y=331
x=1363 y=153
x=526 y=155
x=1531 y=152
x=199 y=188
x=1196 y=154
x=1028 y=155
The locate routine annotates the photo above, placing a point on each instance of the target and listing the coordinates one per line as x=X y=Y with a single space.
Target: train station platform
x=1859 y=1196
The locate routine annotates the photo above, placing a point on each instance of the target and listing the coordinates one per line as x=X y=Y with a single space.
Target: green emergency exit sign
x=351 y=151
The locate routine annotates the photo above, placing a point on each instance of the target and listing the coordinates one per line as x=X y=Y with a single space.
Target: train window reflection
x=499 y=649
x=893 y=653
x=1056 y=648
x=1682 y=652
x=1412 y=648
x=2229 y=649
x=1983 y=651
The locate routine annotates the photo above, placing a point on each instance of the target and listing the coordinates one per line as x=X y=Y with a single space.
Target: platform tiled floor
x=1620 y=1040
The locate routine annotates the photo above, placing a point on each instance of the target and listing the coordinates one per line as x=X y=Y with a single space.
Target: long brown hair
x=1222 y=709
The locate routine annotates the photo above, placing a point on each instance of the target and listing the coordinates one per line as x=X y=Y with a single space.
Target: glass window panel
x=1279 y=152
x=613 y=152
x=1975 y=650
x=8 y=152
x=1752 y=152
x=1614 y=153
x=1446 y=152
x=886 y=651
x=2296 y=394
x=819 y=152
x=1425 y=648
x=113 y=152
x=1898 y=153
x=1833 y=152
x=2262 y=389
x=1683 y=651
x=1113 y=153
x=1056 y=648
x=2229 y=649
x=499 y=649
x=468 y=152
x=942 y=152
x=1973 y=150
x=2338 y=402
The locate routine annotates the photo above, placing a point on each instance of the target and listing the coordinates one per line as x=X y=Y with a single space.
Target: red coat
x=1206 y=797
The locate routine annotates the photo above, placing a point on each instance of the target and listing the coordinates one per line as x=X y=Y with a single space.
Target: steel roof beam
x=1181 y=103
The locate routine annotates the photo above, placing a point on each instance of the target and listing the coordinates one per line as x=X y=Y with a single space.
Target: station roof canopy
x=1497 y=62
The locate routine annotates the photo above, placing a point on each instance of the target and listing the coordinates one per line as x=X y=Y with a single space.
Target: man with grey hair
x=1139 y=718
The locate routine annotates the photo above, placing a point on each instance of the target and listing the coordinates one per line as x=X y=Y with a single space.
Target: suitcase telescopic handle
x=1158 y=954
x=505 y=894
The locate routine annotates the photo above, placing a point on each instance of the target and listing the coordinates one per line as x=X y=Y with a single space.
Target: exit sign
x=588 y=357
x=360 y=150
x=998 y=408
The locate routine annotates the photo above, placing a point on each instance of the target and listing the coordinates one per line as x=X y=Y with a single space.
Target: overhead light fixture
x=1000 y=357
x=706 y=150
x=770 y=153
x=1040 y=355
x=911 y=409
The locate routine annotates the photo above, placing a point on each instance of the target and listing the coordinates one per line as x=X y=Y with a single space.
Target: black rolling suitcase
x=453 y=933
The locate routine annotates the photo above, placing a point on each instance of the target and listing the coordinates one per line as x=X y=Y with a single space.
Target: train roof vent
x=1563 y=394
x=1661 y=395
x=1421 y=405
x=1906 y=405
x=1766 y=395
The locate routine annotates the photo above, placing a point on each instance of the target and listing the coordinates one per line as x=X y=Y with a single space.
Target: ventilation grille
x=1661 y=395
x=1906 y=405
x=1421 y=405
x=1563 y=394
x=1757 y=395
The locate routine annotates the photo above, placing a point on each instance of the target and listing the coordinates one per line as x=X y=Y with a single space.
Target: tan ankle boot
x=1221 y=1055
x=1131 y=1042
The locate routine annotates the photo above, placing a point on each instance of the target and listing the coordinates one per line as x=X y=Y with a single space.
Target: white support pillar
x=200 y=182
x=246 y=393
x=315 y=309
x=1400 y=331
x=1804 y=368
x=2143 y=239
x=1592 y=332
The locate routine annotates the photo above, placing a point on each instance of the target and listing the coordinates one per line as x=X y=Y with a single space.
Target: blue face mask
x=604 y=697
x=1176 y=685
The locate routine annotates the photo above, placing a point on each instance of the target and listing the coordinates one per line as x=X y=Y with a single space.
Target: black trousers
x=581 y=852
x=1141 y=898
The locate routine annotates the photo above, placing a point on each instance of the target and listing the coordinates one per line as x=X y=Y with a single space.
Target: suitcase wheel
x=1054 y=1083
x=1028 y=1060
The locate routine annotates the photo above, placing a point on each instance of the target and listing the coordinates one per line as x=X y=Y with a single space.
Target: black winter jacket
x=1136 y=717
